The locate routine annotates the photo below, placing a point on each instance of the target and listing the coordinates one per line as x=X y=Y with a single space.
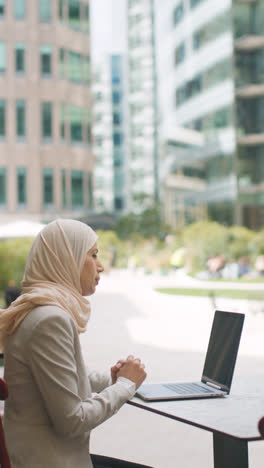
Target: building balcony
x=184 y=183
x=253 y=139
x=249 y=42
x=250 y=90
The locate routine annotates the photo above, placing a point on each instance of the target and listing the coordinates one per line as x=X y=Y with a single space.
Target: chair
x=261 y=426
x=4 y=457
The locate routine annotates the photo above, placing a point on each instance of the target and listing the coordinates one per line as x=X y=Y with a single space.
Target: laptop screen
x=222 y=348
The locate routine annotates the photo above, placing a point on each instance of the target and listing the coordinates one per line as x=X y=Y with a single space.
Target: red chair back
x=4 y=457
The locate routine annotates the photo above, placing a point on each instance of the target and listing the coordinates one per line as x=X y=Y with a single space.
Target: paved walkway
x=170 y=333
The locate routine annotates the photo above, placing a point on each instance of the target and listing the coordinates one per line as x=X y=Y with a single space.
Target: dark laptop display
x=222 y=349
x=218 y=367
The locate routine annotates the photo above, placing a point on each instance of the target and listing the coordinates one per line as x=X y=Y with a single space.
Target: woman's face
x=90 y=274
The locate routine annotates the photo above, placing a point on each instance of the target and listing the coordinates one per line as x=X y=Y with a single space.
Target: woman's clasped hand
x=130 y=368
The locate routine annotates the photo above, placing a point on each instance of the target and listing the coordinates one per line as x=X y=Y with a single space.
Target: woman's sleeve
x=53 y=365
x=99 y=380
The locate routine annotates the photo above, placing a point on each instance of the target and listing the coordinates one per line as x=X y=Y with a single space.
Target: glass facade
x=20 y=57
x=77 y=188
x=249 y=67
x=248 y=18
x=46 y=120
x=2 y=118
x=249 y=74
x=19 y=9
x=48 y=186
x=21 y=186
x=20 y=119
x=45 y=59
x=3 y=59
x=3 y=185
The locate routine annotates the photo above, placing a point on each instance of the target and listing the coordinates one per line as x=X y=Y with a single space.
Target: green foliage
x=239 y=243
x=257 y=243
x=13 y=255
x=202 y=240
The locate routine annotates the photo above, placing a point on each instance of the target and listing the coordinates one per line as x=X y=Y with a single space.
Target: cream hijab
x=52 y=275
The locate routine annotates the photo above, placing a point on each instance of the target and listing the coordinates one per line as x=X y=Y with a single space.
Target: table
x=233 y=420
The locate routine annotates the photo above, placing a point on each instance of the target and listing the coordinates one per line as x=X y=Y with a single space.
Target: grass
x=227 y=293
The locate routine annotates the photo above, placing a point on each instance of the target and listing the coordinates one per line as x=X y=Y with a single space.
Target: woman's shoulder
x=45 y=315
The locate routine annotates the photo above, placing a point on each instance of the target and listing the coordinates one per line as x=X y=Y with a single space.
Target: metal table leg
x=230 y=452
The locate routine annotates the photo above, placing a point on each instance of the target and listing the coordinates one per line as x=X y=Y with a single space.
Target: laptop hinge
x=218 y=387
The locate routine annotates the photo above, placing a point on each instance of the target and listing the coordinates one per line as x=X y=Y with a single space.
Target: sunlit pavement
x=170 y=334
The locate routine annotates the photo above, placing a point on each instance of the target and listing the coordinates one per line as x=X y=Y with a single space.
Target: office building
x=46 y=164
x=209 y=67
x=143 y=132
x=110 y=135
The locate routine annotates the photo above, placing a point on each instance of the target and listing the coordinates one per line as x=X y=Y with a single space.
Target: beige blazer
x=51 y=408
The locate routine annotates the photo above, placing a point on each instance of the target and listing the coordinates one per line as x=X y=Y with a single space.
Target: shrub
x=13 y=256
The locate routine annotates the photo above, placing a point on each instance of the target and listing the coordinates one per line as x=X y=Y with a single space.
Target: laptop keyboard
x=187 y=388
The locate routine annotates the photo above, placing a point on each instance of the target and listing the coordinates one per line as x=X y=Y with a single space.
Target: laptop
x=218 y=367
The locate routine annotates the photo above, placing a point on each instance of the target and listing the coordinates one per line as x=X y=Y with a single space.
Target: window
x=86 y=18
x=203 y=81
x=60 y=7
x=63 y=186
x=86 y=69
x=48 y=188
x=178 y=13
x=62 y=63
x=19 y=9
x=2 y=118
x=75 y=67
x=116 y=64
x=194 y=3
x=46 y=114
x=117 y=139
x=45 y=59
x=2 y=185
x=116 y=97
x=20 y=119
x=212 y=30
x=117 y=118
x=2 y=56
x=179 y=54
x=76 y=131
x=87 y=124
x=21 y=185
x=2 y=8
x=62 y=120
x=90 y=190
x=20 y=57
x=74 y=9
x=45 y=11
x=77 y=188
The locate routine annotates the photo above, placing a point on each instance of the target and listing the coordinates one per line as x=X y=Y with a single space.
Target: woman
x=54 y=402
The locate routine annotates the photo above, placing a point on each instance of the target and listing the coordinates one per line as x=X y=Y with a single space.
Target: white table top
x=236 y=415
